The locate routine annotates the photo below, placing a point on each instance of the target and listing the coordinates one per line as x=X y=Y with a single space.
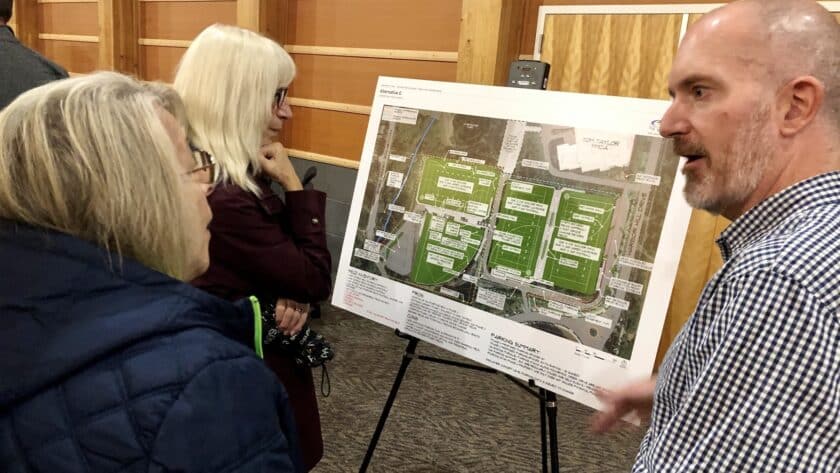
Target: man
x=21 y=68
x=752 y=383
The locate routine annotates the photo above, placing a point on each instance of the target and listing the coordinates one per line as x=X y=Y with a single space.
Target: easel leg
x=543 y=439
x=407 y=357
x=551 y=411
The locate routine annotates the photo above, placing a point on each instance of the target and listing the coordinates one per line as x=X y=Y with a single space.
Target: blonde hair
x=227 y=79
x=90 y=157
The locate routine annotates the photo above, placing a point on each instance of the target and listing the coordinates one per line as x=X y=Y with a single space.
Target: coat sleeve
x=284 y=254
x=231 y=416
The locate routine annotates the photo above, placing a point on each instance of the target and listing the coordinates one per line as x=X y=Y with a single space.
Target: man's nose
x=673 y=122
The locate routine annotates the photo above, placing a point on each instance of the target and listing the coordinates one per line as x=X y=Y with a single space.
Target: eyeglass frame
x=206 y=161
x=280 y=96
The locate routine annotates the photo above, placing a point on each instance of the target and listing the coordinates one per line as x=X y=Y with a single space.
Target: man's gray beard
x=746 y=160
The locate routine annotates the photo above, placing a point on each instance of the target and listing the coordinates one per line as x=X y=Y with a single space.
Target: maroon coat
x=265 y=247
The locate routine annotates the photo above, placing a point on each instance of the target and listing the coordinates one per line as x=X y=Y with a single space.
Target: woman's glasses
x=280 y=97
x=205 y=164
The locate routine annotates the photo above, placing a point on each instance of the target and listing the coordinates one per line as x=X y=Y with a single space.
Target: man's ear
x=799 y=102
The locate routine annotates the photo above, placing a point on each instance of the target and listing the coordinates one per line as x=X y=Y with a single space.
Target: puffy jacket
x=127 y=370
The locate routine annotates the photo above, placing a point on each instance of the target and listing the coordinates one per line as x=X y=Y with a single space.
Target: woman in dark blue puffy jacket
x=108 y=361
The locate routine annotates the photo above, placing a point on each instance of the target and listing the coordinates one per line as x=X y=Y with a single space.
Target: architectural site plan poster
x=534 y=232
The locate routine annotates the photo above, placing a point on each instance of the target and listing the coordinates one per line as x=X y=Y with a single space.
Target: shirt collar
x=771 y=212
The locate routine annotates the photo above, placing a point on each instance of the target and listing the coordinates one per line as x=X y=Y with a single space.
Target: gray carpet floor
x=445 y=419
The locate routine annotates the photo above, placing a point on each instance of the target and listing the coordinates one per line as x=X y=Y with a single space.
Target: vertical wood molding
x=118 y=33
x=249 y=15
x=513 y=20
x=275 y=20
x=25 y=16
x=489 y=40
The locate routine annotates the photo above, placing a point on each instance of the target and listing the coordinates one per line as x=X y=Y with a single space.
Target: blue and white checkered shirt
x=752 y=383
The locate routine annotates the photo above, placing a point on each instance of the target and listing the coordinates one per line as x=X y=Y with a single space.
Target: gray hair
x=90 y=157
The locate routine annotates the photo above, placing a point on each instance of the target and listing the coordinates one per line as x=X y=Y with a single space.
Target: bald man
x=752 y=383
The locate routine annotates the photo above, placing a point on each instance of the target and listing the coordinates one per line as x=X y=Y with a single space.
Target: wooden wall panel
x=529 y=29
x=529 y=26
x=392 y=24
x=68 y=18
x=249 y=14
x=276 y=14
x=73 y=56
x=431 y=25
x=158 y=62
x=26 y=22
x=352 y=80
x=183 y=20
x=118 y=36
x=176 y=20
x=325 y=132
x=489 y=40
x=626 y=55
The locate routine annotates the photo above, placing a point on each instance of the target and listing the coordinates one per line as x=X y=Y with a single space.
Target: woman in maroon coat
x=233 y=83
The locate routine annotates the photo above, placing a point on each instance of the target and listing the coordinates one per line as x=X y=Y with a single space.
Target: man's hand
x=290 y=316
x=275 y=163
x=635 y=397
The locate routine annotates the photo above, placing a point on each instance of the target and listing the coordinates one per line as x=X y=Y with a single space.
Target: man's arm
x=766 y=397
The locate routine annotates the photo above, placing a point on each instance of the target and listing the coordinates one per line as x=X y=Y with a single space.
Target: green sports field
x=520 y=225
x=580 y=234
x=445 y=249
x=455 y=185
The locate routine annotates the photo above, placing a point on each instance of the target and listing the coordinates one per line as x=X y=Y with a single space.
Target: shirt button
x=315 y=221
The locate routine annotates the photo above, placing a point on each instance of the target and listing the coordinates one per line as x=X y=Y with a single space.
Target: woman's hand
x=290 y=316
x=276 y=164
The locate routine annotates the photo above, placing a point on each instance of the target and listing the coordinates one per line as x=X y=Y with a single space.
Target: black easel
x=548 y=406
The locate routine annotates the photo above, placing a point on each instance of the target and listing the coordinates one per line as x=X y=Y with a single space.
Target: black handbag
x=307 y=347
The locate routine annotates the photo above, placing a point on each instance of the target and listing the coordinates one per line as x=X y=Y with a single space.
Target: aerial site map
x=554 y=226
x=550 y=226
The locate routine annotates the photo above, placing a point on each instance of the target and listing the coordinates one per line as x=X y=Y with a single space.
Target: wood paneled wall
x=611 y=54
x=341 y=47
x=167 y=27
x=67 y=33
x=529 y=28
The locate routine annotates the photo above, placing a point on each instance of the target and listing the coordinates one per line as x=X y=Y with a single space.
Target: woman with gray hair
x=108 y=360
